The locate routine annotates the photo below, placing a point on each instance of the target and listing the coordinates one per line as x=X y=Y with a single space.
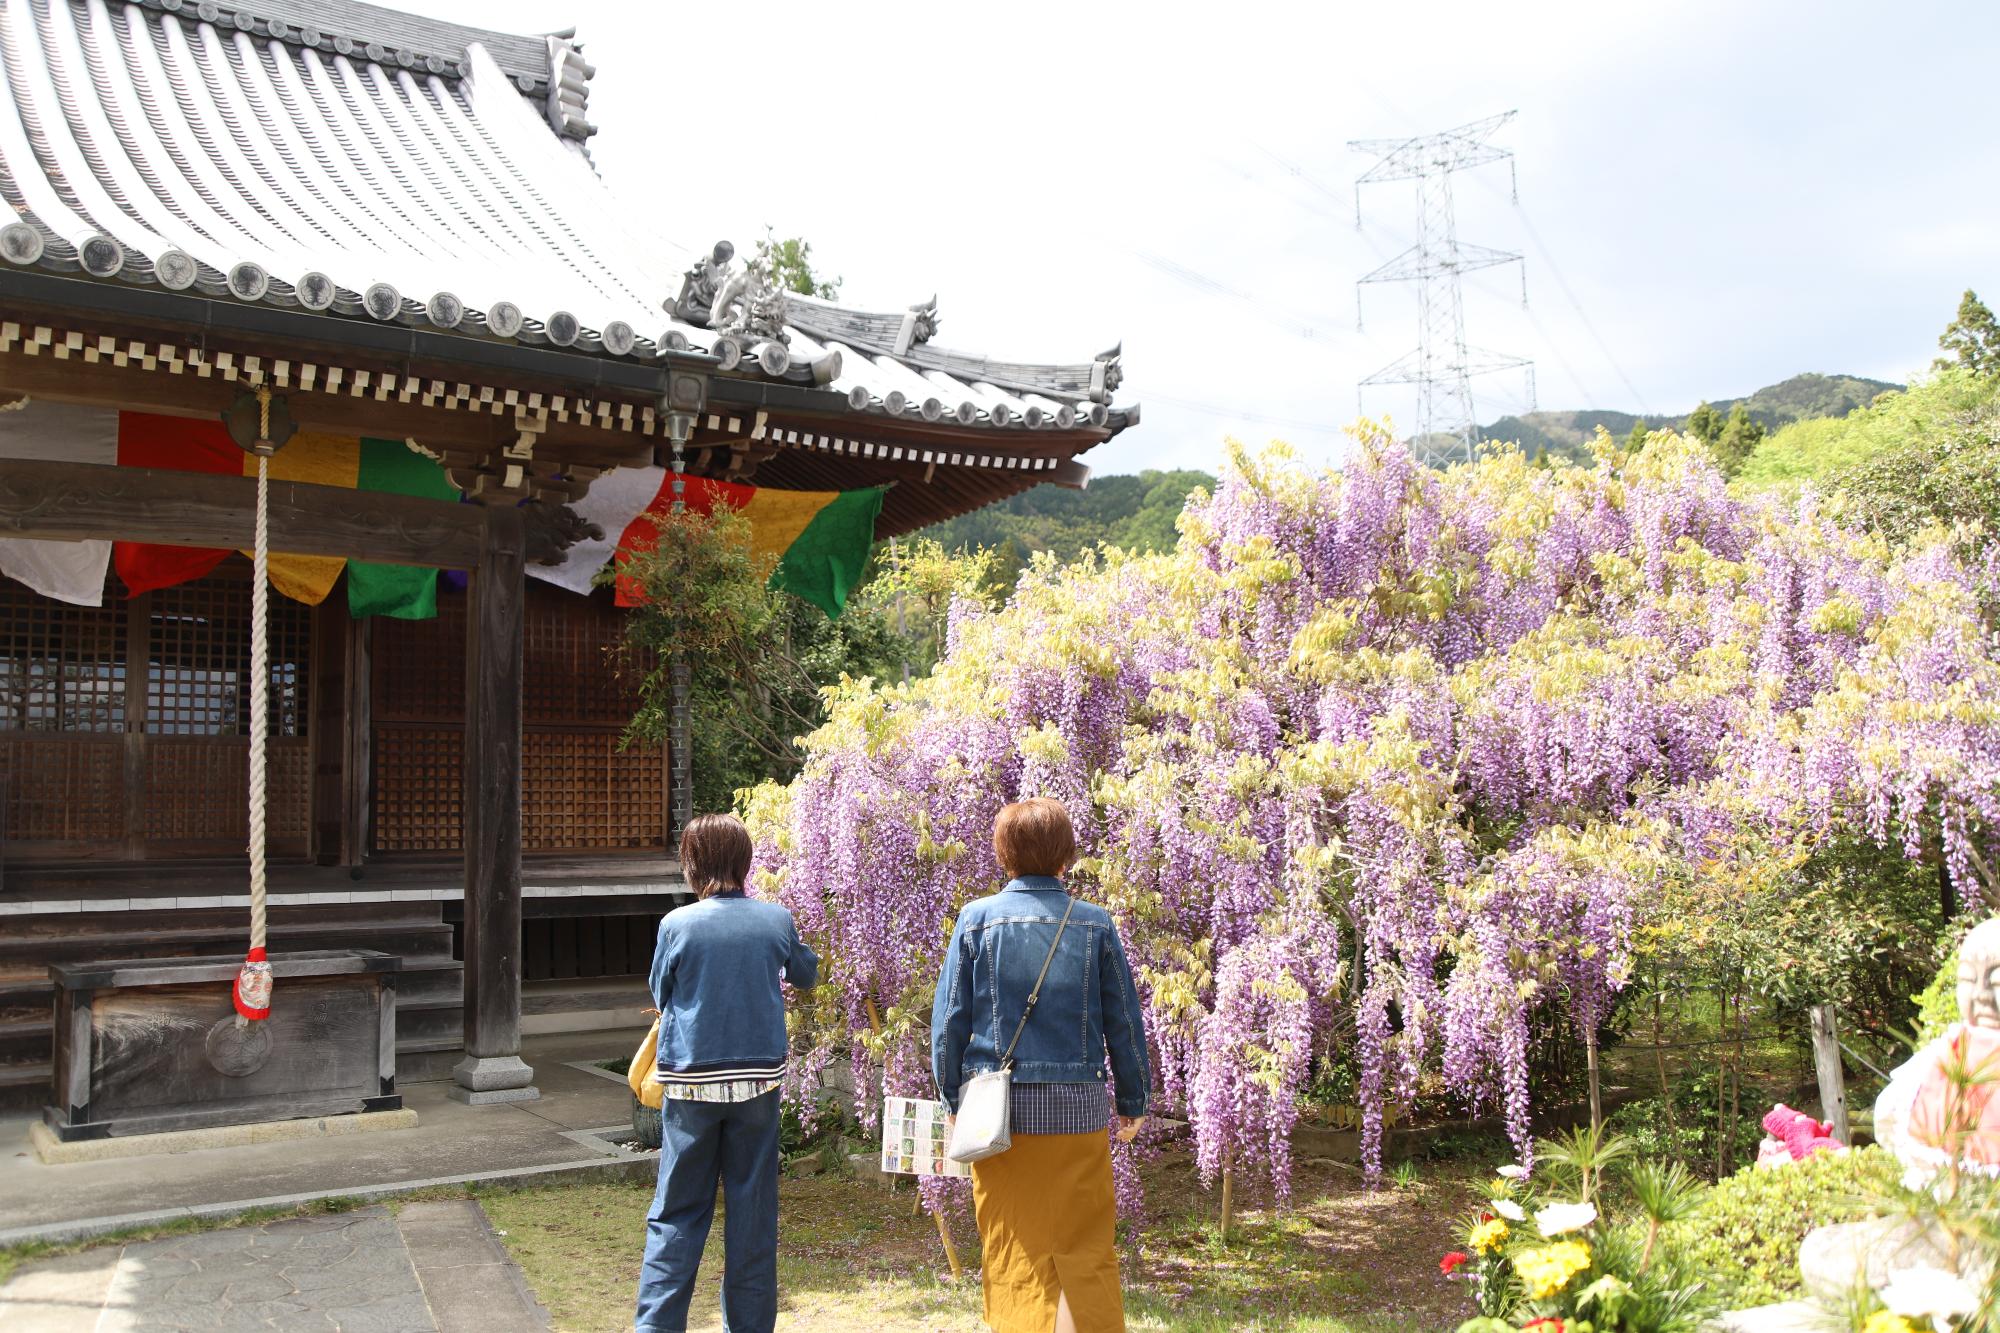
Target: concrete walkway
x=432 y=1267
x=453 y=1143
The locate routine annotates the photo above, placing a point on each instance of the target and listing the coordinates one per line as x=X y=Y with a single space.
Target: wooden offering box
x=134 y=1052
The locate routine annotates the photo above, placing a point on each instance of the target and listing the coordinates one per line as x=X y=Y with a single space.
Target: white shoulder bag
x=984 y=1127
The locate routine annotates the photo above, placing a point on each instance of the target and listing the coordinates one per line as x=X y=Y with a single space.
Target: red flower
x=1452 y=1262
x=1548 y=1324
x=1486 y=1217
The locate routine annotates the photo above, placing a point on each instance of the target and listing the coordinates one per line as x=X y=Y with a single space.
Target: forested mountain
x=1800 y=398
x=1136 y=512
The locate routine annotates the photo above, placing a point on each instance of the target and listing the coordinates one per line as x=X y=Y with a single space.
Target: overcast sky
x=1713 y=196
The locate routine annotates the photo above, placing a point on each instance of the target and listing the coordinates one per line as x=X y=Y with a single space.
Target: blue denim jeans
x=699 y=1143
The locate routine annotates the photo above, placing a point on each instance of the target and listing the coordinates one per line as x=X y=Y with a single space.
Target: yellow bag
x=644 y=1076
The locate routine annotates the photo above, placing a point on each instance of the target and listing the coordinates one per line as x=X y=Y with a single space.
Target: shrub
x=1937 y=1005
x=1746 y=1234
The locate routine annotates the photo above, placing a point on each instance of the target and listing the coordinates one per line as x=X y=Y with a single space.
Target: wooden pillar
x=492 y=1070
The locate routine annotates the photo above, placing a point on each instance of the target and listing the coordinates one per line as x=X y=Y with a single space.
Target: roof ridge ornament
x=920 y=323
x=750 y=304
x=700 y=284
x=1107 y=372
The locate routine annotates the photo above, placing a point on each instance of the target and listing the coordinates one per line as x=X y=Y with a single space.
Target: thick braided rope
x=260 y=595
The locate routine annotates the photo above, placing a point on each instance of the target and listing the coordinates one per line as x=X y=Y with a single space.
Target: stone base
x=54 y=1151
x=487 y=1073
x=493 y=1095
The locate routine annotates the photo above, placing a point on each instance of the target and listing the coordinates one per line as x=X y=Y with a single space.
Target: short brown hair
x=715 y=854
x=1034 y=837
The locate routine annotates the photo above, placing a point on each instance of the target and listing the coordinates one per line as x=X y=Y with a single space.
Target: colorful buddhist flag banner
x=819 y=540
x=74 y=571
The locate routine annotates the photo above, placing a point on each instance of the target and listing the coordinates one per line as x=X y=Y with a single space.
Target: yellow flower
x=1488 y=1235
x=1547 y=1269
x=1883 y=1321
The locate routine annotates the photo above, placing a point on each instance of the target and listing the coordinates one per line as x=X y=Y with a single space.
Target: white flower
x=1508 y=1209
x=1512 y=1171
x=1929 y=1293
x=1559 y=1219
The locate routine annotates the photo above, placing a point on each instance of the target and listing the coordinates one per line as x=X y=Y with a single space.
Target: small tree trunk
x=1228 y=1204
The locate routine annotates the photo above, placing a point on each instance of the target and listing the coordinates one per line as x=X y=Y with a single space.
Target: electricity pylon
x=1443 y=364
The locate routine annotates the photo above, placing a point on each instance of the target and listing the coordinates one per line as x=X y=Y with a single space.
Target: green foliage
x=1937 y=1005
x=1828 y=450
x=1948 y=475
x=790 y=262
x=1745 y=1235
x=1705 y=424
x=1972 y=338
x=1739 y=438
x=759 y=658
x=1136 y=513
x=1681 y=1128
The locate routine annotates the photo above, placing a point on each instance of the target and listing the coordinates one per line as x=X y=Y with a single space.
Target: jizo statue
x=1943 y=1105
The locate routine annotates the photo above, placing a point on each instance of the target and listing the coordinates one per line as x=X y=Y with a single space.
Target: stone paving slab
x=437 y=1269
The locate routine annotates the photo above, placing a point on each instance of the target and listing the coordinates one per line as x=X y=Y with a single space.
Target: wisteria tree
x=1394 y=764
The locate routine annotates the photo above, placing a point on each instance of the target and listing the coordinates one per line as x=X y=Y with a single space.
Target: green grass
x=854 y=1257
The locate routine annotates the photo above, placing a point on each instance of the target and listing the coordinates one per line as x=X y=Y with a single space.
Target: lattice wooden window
x=62 y=667
x=419 y=785
x=67 y=790
x=197 y=679
x=579 y=792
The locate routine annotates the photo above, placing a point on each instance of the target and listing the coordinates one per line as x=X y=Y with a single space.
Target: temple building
x=382 y=238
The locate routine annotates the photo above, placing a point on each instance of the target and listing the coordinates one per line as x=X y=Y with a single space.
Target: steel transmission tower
x=1443 y=364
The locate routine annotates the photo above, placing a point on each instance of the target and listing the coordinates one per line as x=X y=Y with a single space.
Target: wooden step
x=23 y=960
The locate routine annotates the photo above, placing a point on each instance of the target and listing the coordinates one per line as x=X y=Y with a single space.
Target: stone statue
x=700 y=284
x=1943 y=1104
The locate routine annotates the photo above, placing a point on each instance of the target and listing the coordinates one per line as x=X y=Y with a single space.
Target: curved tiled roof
x=359 y=161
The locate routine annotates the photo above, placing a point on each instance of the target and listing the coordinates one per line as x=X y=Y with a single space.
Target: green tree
x=1739 y=438
x=1637 y=439
x=790 y=262
x=1933 y=410
x=1972 y=338
x=1705 y=424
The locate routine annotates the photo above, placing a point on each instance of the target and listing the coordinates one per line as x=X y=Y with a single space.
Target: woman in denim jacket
x=1045 y=1207
x=722 y=1049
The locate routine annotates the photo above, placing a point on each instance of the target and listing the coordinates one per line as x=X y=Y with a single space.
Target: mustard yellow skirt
x=1046 y=1228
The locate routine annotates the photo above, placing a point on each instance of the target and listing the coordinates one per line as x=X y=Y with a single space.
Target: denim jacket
x=1088 y=1003
x=715 y=979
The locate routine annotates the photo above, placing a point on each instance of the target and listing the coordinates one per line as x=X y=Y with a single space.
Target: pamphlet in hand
x=913 y=1139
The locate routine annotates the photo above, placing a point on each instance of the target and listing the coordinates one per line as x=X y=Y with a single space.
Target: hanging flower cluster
x=1390 y=763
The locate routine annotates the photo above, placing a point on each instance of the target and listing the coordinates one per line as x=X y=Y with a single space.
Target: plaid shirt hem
x=736 y=1090
x=1059 y=1108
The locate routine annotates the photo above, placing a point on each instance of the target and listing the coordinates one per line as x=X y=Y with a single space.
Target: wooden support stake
x=1228 y=1204
x=1826 y=1062
x=1596 y=1102
x=950 y=1249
